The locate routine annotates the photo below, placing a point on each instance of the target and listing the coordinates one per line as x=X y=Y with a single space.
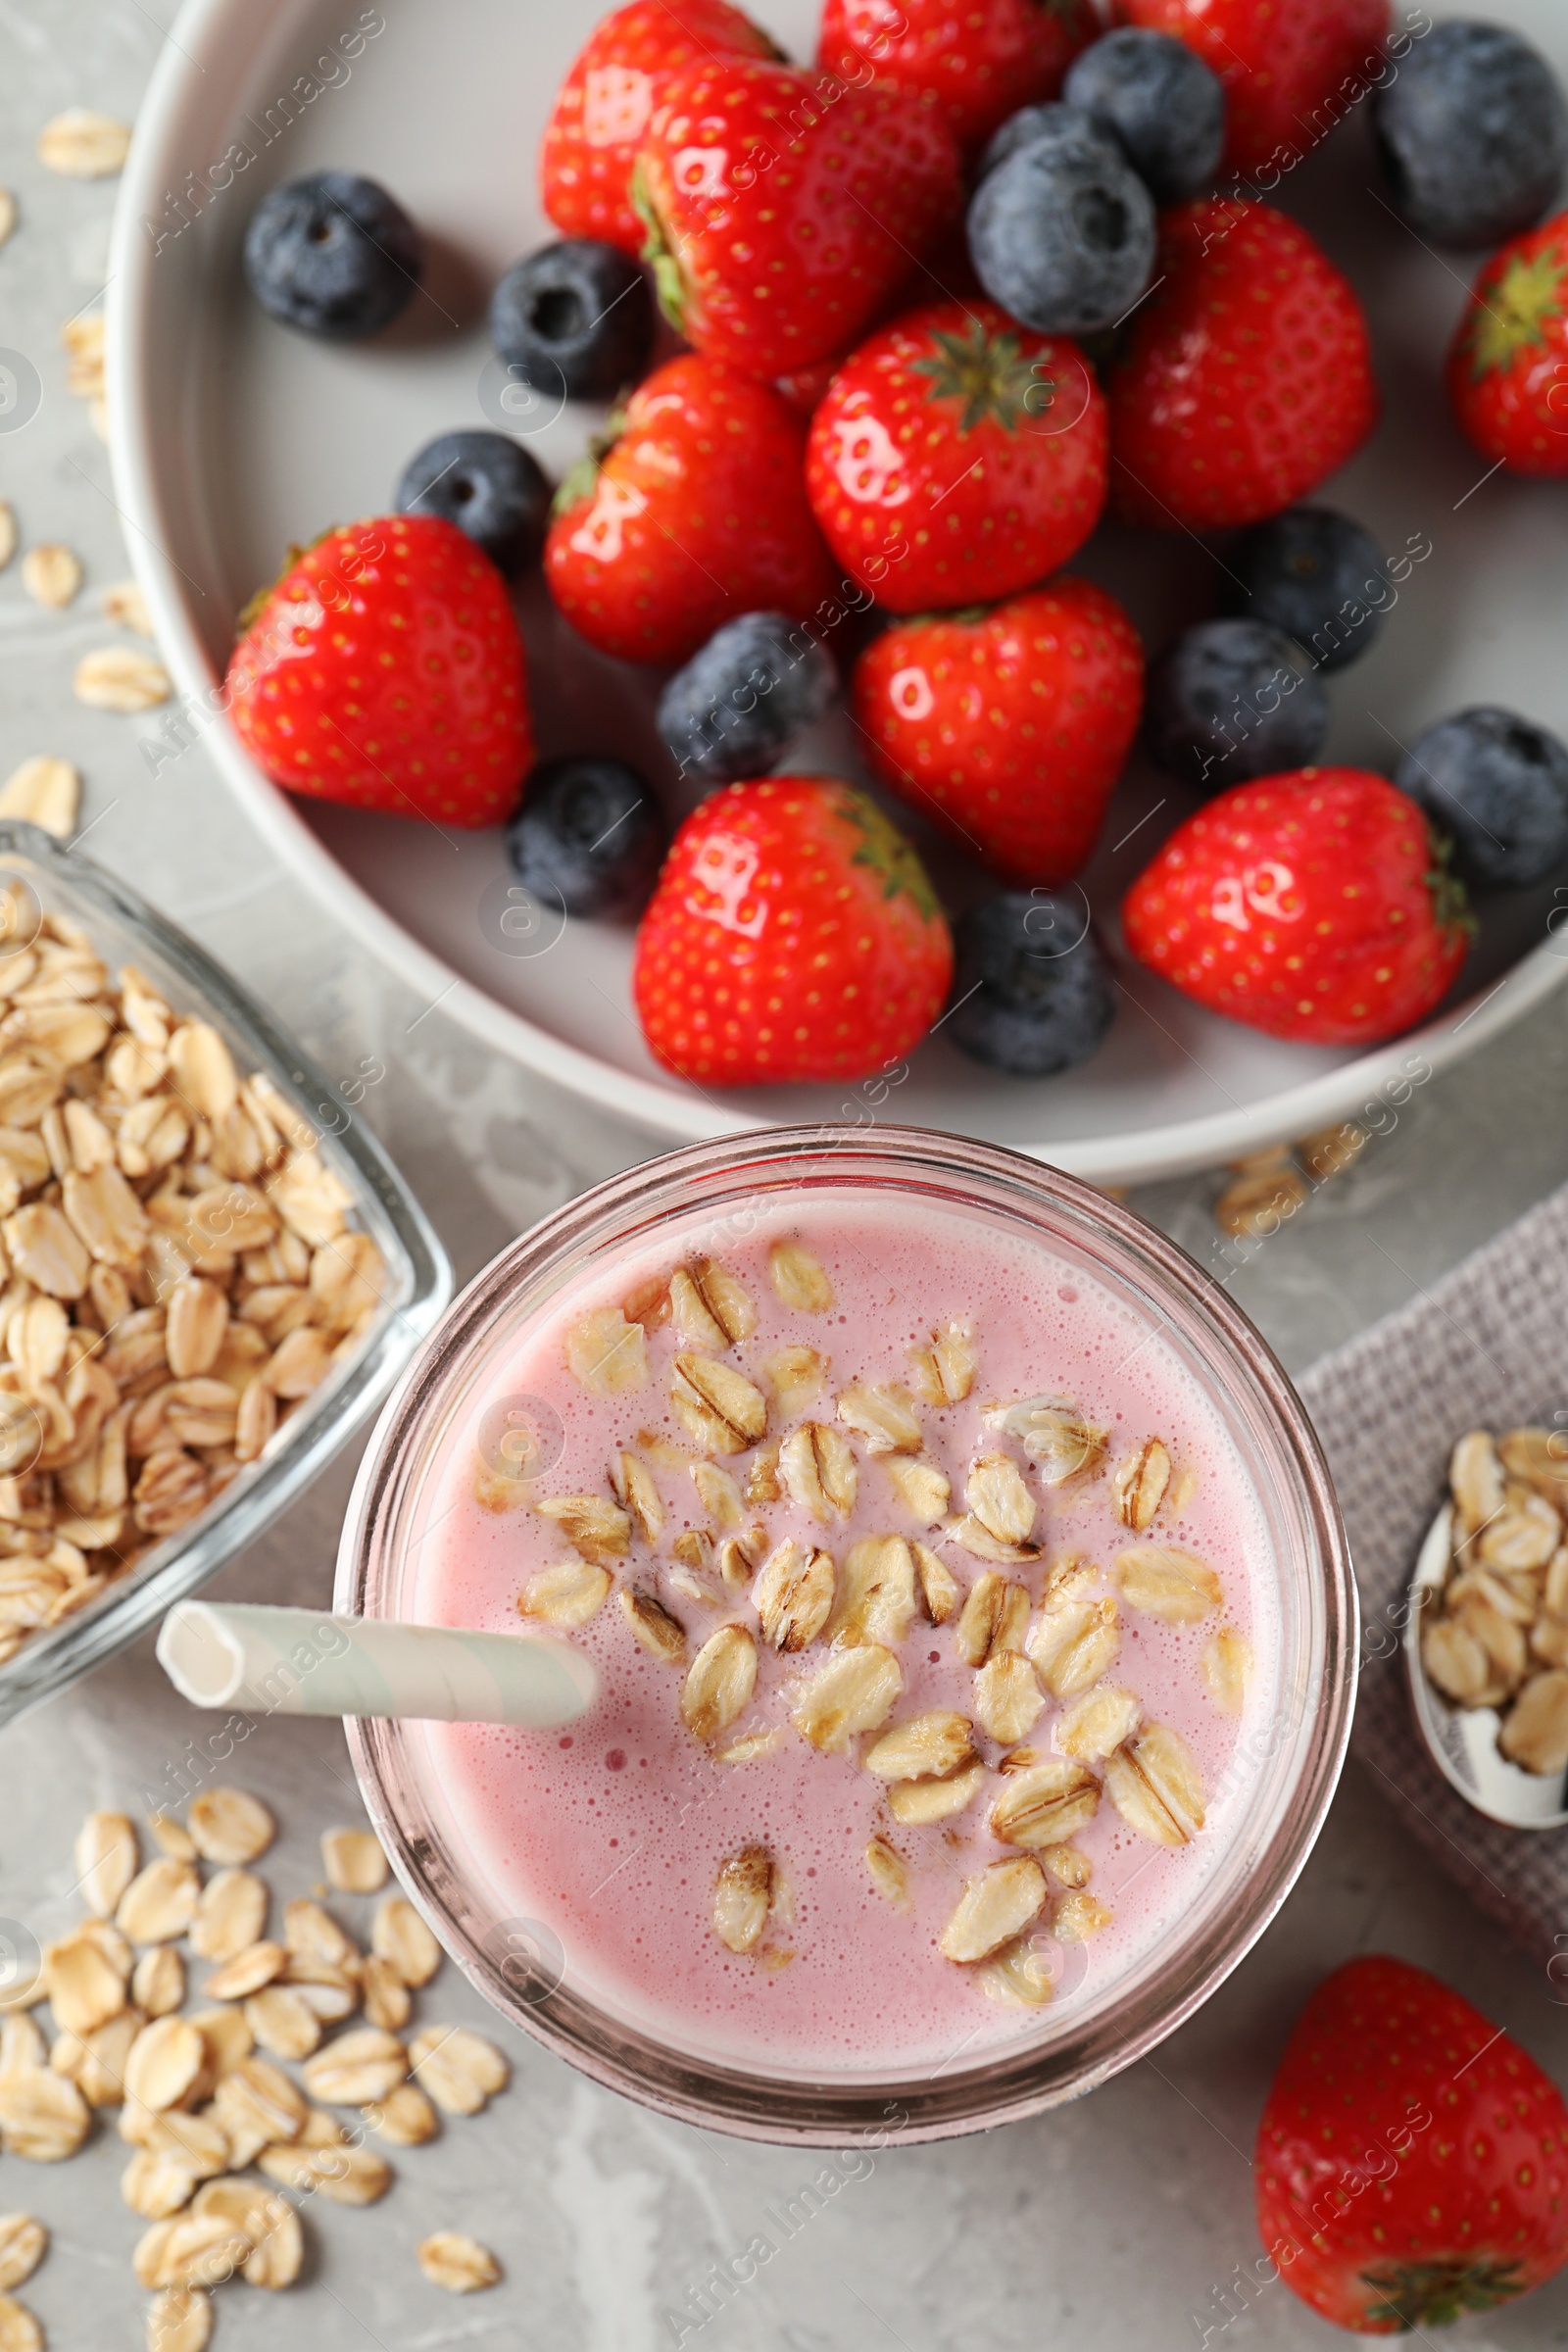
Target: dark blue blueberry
x=1061 y=234
x=1031 y=991
x=737 y=706
x=1318 y=576
x=1498 y=785
x=1234 y=699
x=1473 y=134
x=1161 y=101
x=332 y=255
x=489 y=486
x=1050 y=121
x=577 y=315
x=590 y=837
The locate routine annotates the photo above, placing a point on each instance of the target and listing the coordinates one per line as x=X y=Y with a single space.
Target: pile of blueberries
x=1473 y=139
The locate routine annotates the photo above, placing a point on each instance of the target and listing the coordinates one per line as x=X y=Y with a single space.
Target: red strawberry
x=784 y=208
x=1508 y=368
x=977 y=60
x=1314 y=905
x=385 y=669
x=1290 y=73
x=1247 y=377
x=1412 y=2160
x=793 y=934
x=693 y=513
x=1012 y=724
x=608 y=99
x=958 y=456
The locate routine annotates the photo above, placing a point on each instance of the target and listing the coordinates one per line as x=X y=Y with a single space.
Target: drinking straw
x=267 y=1661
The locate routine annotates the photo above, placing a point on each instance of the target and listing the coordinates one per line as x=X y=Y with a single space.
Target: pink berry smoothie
x=614 y=1834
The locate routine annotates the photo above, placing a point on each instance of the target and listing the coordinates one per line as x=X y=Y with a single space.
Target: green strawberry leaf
x=579 y=481
x=1432 y=2295
x=884 y=850
x=1450 y=904
x=1513 y=314
x=668 y=283
x=989 y=374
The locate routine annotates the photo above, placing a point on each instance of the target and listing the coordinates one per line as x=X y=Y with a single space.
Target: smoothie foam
x=611 y=1834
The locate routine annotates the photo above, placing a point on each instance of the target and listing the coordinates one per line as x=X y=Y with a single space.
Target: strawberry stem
x=990 y=374
x=1433 y=2294
x=580 y=481
x=884 y=848
x=1450 y=904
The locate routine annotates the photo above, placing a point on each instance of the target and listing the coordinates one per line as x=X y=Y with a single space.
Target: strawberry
x=1412 y=2160
x=976 y=60
x=1290 y=73
x=783 y=208
x=1314 y=905
x=958 y=456
x=690 y=514
x=793 y=935
x=1247 y=375
x=385 y=669
x=608 y=99
x=1012 y=723
x=1508 y=368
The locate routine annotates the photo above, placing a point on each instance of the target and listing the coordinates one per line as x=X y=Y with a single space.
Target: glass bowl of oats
x=203 y=1286
x=972 y=1619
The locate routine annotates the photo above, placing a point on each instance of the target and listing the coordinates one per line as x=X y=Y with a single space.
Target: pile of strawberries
x=855 y=433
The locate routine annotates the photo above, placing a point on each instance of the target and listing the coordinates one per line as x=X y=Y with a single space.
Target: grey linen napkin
x=1486 y=1347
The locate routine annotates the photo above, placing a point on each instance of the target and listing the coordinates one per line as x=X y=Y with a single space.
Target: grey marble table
x=1114 y=2224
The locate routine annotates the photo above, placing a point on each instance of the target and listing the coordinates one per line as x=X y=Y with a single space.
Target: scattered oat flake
x=43 y=790
x=354 y=1861
x=22 y=2245
x=51 y=575
x=125 y=603
x=179 y=2319
x=458 y=2263
x=105 y=1861
x=404 y=2117
x=398 y=1933
x=7 y=214
x=118 y=679
x=229 y=1825
x=160 y=1902
x=82 y=338
x=84 y=144
x=459 y=2068
x=19 y=2331
x=8 y=534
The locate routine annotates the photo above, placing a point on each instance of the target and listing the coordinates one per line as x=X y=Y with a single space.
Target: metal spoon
x=1462 y=1742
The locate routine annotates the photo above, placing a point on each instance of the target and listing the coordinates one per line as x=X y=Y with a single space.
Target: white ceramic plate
x=232 y=438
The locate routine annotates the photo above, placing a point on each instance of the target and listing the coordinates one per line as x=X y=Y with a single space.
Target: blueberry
x=589 y=836
x=487 y=485
x=1031 y=991
x=1162 y=102
x=1318 y=576
x=332 y=255
x=576 y=315
x=1499 y=786
x=1061 y=234
x=737 y=706
x=1234 y=699
x=1473 y=134
x=1050 y=121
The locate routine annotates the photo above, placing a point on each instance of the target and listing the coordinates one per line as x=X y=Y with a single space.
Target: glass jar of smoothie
x=974 y=1618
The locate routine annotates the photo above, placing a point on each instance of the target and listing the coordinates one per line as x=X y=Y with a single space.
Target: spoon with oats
x=1485 y=1637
